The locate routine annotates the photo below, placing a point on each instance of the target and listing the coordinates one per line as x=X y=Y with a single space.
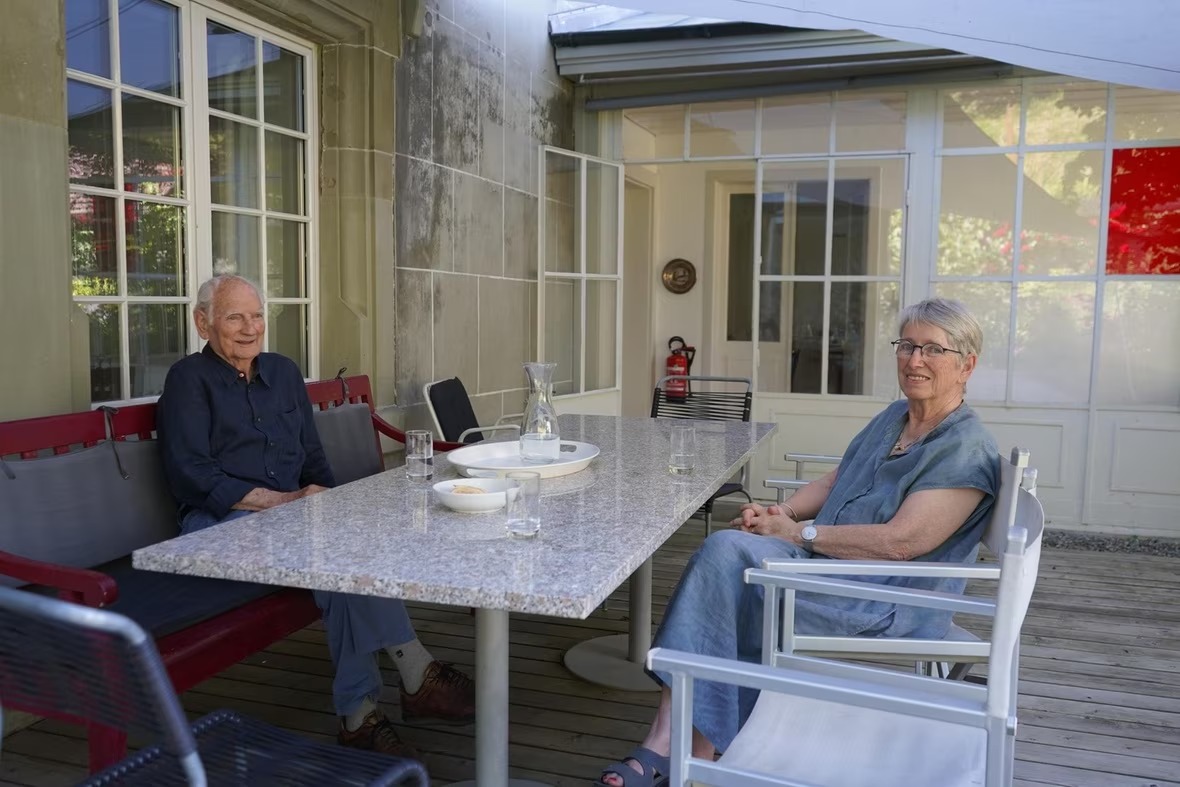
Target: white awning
x=1129 y=42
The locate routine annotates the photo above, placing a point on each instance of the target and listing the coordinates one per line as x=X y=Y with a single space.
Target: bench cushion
x=349 y=442
x=166 y=603
x=78 y=509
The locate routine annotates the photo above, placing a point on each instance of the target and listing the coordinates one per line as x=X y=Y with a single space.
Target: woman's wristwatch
x=807 y=535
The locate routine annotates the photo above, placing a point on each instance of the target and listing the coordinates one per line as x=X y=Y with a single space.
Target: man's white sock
x=355 y=719
x=411 y=659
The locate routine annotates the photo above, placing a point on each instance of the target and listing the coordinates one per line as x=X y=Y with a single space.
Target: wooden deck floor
x=1100 y=701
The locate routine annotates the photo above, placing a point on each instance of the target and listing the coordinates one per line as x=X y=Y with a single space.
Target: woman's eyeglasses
x=905 y=349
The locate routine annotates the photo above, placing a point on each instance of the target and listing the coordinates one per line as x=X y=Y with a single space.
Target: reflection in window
x=1059 y=224
x=1052 y=346
x=981 y=117
x=91 y=123
x=88 y=36
x=93 y=245
x=977 y=207
x=1139 y=362
x=1144 y=221
x=149 y=45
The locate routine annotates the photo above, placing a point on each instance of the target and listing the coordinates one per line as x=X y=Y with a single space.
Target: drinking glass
x=419 y=454
x=524 y=504
x=683 y=455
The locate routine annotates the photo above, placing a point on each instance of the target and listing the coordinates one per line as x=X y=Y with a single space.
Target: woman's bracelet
x=792 y=510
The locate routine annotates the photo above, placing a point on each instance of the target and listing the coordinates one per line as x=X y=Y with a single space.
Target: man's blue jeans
x=358 y=627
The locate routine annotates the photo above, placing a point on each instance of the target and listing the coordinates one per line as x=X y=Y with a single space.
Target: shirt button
x=257 y=420
x=272 y=474
x=272 y=443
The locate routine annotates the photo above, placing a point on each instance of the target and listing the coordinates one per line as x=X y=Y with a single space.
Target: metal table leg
x=617 y=660
x=491 y=702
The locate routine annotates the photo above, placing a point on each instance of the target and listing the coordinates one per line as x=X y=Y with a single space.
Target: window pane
x=739 y=292
x=236 y=245
x=233 y=81
x=233 y=163
x=1144 y=222
x=286 y=332
x=563 y=333
x=92 y=150
x=723 y=128
x=870 y=121
x=868 y=217
x=561 y=204
x=792 y=313
x=285 y=182
x=863 y=322
x=95 y=260
x=88 y=36
x=158 y=334
x=797 y=124
x=981 y=117
x=152 y=147
x=976 y=211
x=286 y=256
x=1063 y=113
x=1145 y=114
x=155 y=249
x=1054 y=337
x=794 y=218
x=602 y=218
x=653 y=132
x=105 y=354
x=149 y=45
x=990 y=302
x=1059 y=224
x=1140 y=359
x=601 y=332
x=282 y=84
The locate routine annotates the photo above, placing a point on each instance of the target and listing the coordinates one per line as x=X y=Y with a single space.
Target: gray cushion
x=166 y=603
x=77 y=509
x=349 y=441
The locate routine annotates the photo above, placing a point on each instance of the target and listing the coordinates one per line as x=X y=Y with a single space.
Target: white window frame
x=195 y=185
x=579 y=275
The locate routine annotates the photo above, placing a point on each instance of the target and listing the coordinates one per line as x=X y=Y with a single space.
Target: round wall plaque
x=679 y=276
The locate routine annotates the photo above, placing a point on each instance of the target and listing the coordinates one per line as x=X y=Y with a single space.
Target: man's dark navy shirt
x=222 y=435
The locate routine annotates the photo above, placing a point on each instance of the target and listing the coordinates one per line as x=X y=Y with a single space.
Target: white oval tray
x=504 y=457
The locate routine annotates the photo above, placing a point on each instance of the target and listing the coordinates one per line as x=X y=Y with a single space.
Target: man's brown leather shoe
x=376 y=733
x=446 y=694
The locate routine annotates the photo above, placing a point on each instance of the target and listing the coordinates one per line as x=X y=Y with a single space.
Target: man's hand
x=260 y=499
x=768 y=521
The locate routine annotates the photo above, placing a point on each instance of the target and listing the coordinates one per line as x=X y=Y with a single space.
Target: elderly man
x=237 y=435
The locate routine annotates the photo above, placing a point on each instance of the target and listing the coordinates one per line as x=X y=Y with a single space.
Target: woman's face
x=932 y=379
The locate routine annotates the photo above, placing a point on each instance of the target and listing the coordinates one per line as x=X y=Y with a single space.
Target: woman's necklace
x=902 y=445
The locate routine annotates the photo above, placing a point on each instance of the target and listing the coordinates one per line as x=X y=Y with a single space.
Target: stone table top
x=387 y=535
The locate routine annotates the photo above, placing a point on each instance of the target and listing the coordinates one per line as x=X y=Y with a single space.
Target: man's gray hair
x=208 y=291
x=962 y=329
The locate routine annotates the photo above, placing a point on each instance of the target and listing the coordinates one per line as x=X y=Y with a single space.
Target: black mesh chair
x=454 y=418
x=708 y=399
x=98 y=667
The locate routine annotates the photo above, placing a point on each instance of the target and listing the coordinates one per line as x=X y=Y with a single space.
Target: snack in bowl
x=472 y=495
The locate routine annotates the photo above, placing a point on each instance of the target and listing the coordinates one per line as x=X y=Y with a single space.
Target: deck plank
x=1099 y=703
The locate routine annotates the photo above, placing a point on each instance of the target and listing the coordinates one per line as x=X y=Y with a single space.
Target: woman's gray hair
x=208 y=291
x=962 y=329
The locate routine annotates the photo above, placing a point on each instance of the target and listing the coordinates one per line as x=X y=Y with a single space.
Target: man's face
x=237 y=325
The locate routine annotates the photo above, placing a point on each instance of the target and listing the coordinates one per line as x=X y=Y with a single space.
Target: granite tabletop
x=387 y=535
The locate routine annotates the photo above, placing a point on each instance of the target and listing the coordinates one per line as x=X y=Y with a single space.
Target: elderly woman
x=916 y=484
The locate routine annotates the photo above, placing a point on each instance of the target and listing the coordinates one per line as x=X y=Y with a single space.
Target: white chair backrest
x=995 y=533
x=1021 y=560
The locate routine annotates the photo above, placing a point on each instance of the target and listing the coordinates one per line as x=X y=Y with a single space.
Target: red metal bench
x=203 y=649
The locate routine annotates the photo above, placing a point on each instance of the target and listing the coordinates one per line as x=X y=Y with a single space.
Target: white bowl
x=494 y=498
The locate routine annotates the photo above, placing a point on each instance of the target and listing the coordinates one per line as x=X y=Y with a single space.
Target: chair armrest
x=781 y=485
x=863 y=687
x=884 y=568
x=505 y=418
x=824 y=458
x=393 y=433
x=930 y=599
x=495 y=428
x=92 y=588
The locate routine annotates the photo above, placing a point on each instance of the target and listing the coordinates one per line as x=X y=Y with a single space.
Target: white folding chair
x=954 y=655
x=822 y=723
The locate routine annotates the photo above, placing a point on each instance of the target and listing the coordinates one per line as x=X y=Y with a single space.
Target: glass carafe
x=540 y=438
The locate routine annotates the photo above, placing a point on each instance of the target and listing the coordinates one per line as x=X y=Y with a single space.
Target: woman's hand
x=767 y=521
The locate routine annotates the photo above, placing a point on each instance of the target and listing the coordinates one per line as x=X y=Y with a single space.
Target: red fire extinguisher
x=679 y=364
